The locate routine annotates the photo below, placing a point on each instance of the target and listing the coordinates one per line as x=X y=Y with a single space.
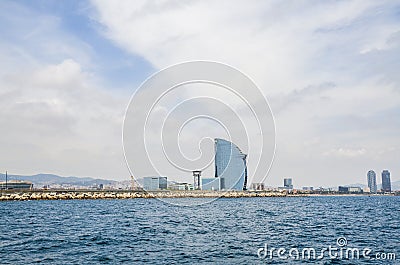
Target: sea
x=225 y=231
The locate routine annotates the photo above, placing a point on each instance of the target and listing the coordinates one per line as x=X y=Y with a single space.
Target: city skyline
x=207 y=182
x=68 y=71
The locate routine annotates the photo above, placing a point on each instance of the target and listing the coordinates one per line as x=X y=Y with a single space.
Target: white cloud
x=59 y=121
x=346 y=152
x=67 y=72
x=315 y=61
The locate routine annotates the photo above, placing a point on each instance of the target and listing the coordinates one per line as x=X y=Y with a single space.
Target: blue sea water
x=226 y=231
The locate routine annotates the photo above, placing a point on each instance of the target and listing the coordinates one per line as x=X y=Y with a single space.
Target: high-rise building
x=371 y=178
x=288 y=183
x=155 y=183
x=230 y=166
x=386 y=185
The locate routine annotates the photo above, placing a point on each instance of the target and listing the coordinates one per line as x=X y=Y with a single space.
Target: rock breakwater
x=126 y=194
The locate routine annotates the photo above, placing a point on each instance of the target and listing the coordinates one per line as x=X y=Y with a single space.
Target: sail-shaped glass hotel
x=230 y=166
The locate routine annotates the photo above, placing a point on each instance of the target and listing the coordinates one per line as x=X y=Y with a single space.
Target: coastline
x=26 y=195
x=126 y=194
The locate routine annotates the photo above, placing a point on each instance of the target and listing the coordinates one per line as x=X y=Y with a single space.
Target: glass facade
x=210 y=184
x=371 y=177
x=288 y=183
x=155 y=183
x=386 y=185
x=230 y=166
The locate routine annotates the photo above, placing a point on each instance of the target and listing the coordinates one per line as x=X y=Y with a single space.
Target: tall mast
x=245 y=172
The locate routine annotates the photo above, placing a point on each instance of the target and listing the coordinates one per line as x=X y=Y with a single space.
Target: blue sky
x=72 y=20
x=329 y=70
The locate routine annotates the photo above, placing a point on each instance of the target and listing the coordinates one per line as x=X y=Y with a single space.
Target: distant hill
x=40 y=180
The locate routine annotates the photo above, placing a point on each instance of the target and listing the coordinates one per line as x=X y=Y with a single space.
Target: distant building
x=230 y=166
x=181 y=186
x=257 y=186
x=155 y=183
x=210 y=184
x=371 y=178
x=16 y=185
x=288 y=183
x=343 y=189
x=197 y=181
x=355 y=190
x=322 y=189
x=386 y=185
x=308 y=188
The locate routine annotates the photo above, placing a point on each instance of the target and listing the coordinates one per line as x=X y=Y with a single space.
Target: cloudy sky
x=329 y=69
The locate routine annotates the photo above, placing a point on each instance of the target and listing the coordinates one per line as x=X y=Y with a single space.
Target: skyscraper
x=371 y=178
x=230 y=166
x=386 y=185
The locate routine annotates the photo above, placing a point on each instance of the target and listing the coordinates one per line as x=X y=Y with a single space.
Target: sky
x=329 y=70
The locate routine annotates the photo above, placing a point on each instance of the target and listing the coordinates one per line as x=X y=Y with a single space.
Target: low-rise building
x=350 y=189
x=155 y=183
x=16 y=185
x=257 y=186
x=355 y=189
x=181 y=186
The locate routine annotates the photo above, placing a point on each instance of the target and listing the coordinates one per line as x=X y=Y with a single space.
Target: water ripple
x=227 y=231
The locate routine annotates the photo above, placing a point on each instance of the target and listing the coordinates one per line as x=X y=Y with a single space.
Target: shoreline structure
x=26 y=195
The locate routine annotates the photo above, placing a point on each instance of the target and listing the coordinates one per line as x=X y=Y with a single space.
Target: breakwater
x=127 y=194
